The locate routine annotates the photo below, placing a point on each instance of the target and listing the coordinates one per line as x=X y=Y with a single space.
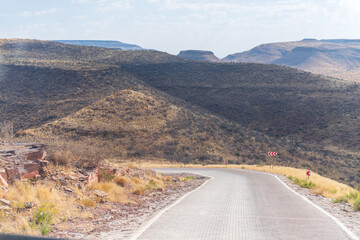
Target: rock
x=100 y=193
x=68 y=190
x=5 y=208
x=3 y=181
x=26 y=161
x=93 y=177
x=29 y=204
x=5 y=202
x=71 y=177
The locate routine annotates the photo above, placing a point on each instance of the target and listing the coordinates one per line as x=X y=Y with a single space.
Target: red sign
x=308 y=173
x=225 y=162
x=272 y=153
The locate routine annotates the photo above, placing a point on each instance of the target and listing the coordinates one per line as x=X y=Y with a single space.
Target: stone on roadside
x=100 y=193
x=5 y=208
x=29 y=204
x=68 y=190
x=4 y=201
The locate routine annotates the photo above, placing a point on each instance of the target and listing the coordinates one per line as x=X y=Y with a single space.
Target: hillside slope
x=240 y=111
x=148 y=124
x=279 y=101
x=336 y=58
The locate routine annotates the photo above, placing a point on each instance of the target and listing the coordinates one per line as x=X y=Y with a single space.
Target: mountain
x=338 y=58
x=102 y=43
x=152 y=105
x=199 y=55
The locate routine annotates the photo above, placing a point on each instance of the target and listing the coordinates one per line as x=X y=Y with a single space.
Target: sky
x=224 y=27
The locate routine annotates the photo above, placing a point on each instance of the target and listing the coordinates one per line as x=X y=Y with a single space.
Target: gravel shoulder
x=120 y=221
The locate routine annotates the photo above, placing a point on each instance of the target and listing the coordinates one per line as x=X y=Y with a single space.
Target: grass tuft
x=121 y=181
x=114 y=191
x=302 y=182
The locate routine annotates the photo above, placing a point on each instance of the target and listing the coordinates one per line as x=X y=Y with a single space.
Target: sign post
x=308 y=173
x=272 y=154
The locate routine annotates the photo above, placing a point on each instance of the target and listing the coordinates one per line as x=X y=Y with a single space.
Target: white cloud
x=111 y=5
x=40 y=12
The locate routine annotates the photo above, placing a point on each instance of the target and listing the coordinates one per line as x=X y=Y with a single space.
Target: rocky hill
x=337 y=58
x=148 y=104
x=199 y=55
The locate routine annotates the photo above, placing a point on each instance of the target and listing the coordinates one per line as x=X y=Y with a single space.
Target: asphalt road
x=240 y=204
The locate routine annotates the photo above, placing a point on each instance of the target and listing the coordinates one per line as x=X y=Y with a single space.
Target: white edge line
x=149 y=223
x=336 y=220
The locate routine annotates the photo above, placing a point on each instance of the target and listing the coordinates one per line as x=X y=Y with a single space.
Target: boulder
x=100 y=193
x=21 y=161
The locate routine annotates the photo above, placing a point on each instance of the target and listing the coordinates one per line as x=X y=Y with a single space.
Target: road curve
x=240 y=204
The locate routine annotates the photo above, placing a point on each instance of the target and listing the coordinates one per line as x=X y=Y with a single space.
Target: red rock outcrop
x=21 y=161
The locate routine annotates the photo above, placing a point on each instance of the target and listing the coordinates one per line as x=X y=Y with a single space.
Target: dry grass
x=88 y=202
x=114 y=191
x=121 y=181
x=138 y=186
x=39 y=195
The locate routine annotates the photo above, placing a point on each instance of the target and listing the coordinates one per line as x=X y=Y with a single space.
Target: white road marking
x=337 y=221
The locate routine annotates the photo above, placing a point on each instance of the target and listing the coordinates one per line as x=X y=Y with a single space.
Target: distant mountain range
x=338 y=58
x=103 y=43
x=199 y=55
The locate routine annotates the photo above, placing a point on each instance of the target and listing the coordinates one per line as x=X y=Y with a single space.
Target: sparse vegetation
x=6 y=131
x=352 y=198
x=310 y=120
x=35 y=207
x=88 y=202
x=114 y=191
x=302 y=182
x=121 y=181
x=42 y=218
x=187 y=178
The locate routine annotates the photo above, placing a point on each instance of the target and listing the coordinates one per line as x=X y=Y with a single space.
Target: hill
x=198 y=55
x=102 y=43
x=147 y=124
x=337 y=58
x=193 y=111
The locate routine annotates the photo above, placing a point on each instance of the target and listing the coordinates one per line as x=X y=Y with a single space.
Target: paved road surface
x=240 y=204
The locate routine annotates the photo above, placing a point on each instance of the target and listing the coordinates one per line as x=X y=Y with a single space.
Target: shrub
x=87 y=202
x=42 y=218
x=139 y=190
x=63 y=157
x=6 y=131
x=301 y=182
x=351 y=198
x=121 y=181
x=104 y=175
x=114 y=191
x=357 y=204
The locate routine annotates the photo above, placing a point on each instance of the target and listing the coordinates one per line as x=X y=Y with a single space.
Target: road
x=240 y=204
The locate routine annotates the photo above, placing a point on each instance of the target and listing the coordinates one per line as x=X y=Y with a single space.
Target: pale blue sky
x=223 y=27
